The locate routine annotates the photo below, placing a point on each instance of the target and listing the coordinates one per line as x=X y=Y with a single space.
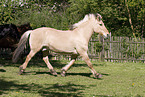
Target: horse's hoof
x=63 y=73
x=98 y=75
x=53 y=72
x=21 y=70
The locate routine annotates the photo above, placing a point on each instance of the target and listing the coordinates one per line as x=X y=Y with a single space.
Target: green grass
x=119 y=80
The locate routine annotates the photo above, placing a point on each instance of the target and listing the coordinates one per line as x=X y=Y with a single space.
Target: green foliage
x=137 y=12
x=61 y=14
x=124 y=31
x=6 y=12
x=98 y=46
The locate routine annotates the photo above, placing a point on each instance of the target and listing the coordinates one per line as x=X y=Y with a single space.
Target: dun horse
x=73 y=42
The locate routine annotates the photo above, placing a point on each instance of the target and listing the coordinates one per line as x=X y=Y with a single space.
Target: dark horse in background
x=10 y=35
x=23 y=28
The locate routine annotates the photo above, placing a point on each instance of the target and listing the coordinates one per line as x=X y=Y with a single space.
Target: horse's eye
x=100 y=24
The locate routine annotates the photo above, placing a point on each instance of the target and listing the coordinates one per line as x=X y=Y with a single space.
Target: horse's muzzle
x=106 y=36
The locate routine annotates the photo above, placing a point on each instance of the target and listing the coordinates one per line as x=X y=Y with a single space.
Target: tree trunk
x=130 y=20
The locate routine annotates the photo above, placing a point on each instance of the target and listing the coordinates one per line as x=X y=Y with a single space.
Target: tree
x=136 y=15
x=121 y=17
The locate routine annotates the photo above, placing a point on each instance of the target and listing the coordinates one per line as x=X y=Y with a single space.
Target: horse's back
x=46 y=32
x=56 y=40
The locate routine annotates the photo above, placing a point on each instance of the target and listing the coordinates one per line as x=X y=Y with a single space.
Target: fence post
x=110 y=44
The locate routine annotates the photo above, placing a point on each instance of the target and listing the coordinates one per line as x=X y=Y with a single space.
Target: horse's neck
x=86 y=31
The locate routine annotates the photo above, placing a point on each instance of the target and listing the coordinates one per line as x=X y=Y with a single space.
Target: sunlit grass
x=119 y=79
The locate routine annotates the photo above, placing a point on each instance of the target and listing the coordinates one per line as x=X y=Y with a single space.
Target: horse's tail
x=21 y=46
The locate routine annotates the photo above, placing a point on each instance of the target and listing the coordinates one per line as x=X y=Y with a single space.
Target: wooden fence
x=113 y=49
x=119 y=49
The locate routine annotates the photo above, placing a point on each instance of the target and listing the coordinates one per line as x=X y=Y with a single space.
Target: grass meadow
x=119 y=80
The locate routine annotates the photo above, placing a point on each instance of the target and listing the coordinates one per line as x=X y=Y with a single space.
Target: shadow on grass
x=67 y=90
x=50 y=90
x=67 y=74
x=55 y=63
x=2 y=70
x=6 y=86
x=74 y=74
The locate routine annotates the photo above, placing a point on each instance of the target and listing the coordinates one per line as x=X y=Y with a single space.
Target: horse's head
x=99 y=26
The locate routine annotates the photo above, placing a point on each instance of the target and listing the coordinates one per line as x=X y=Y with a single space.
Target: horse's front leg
x=65 y=68
x=46 y=60
x=87 y=60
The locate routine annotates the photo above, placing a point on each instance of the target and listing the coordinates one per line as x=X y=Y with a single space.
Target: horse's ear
x=99 y=17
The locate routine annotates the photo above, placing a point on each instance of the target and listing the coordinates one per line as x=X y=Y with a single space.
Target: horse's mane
x=86 y=18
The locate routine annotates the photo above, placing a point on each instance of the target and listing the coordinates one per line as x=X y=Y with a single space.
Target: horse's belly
x=63 y=49
x=60 y=43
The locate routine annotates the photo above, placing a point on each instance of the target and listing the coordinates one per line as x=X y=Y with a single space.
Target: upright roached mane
x=73 y=42
x=86 y=18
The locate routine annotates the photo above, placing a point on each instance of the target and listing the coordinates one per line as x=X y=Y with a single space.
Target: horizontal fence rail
x=113 y=49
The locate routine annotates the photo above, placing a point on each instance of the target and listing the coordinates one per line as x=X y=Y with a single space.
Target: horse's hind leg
x=28 y=58
x=64 y=69
x=46 y=60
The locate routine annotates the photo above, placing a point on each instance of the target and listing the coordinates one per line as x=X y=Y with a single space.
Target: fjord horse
x=73 y=42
